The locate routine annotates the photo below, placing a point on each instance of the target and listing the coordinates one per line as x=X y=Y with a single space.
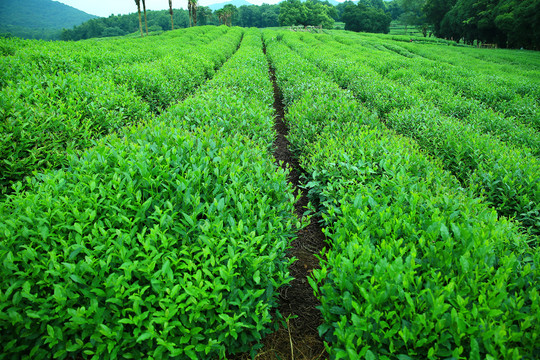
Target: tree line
x=144 y=22
x=507 y=23
x=287 y=13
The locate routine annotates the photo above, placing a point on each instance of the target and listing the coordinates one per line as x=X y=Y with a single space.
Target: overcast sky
x=108 y=7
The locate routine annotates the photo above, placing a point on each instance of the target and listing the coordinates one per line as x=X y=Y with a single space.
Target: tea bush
x=166 y=240
x=418 y=267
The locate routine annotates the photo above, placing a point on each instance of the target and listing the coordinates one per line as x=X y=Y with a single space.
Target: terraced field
x=222 y=192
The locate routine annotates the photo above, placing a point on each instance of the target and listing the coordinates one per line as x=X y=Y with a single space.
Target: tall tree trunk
x=194 y=13
x=145 y=22
x=138 y=2
x=189 y=12
x=171 y=12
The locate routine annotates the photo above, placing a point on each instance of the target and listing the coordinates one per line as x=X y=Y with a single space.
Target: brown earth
x=299 y=339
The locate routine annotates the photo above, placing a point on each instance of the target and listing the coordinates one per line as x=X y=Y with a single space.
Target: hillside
x=38 y=19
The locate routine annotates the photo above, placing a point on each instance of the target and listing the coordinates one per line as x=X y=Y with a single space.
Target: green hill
x=38 y=19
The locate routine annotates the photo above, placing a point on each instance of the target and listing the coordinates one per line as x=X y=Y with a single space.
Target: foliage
x=169 y=79
x=227 y=14
x=413 y=14
x=419 y=267
x=394 y=9
x=310 y=12
x=508 y=23
x=506 y=176
x=48 y=115
x=39 y=19
x=192 y=10
x=127 y=24
x=44 y=116
x=362 y=17
x=246 y=16
x=258 y=16
x=167 y=240
x=178 y=268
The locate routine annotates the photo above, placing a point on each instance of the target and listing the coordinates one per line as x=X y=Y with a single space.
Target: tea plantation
x=142 y=215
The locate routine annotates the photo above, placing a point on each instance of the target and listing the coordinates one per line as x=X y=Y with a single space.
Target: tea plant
x=165 y=241
x=418 y=266
x=507 y=177
x=47 y=115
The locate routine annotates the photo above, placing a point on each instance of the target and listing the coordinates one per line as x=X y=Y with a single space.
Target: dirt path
x=301 y=339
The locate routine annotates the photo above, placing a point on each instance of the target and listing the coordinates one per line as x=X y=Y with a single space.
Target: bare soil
x=300 y=338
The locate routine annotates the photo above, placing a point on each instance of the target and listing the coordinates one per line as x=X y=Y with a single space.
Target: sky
x=108 y=7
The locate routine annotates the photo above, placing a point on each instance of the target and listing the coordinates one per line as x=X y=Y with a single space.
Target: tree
x=204 y=13
x=394 y=8
x=192 y=8
x=310 y=12
x=229 y=12
x=171 y=12
x=113 y=31
x=138 y=2
x=249 y=16
x=520 y=22
x=362 y=17
x=292 y=12
x=340 y=8
x=413 y=14
x=270 y=18
x=435 y=11
x=145 y=21
x=320 y=13
x=269 y=15
x=509 y=23
x=377 y=4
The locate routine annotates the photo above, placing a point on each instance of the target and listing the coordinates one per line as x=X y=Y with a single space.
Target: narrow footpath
x=300 y=341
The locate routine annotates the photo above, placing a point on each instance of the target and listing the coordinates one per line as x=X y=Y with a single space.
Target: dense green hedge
x=45 y=117
x=48 y=114
x=164 y=241
x=31 y=57
x=239 y=100
x=506 y=176
x=418 y=266
x=389 y=81
x=167 y=242
x=173 y=77
x=514 y=93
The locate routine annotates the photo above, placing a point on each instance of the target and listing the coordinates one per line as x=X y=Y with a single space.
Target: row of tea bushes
x=167 y=241
x=42 y=122
x=513 y=96
x=518 y=65
x=36 y=57
x=47 y=115
x=239 y=100
x=417 y=267
x=397 y=75
x=174 y=76
x=507 y=177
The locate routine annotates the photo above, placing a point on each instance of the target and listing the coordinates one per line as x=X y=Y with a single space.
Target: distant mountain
x=38 y=19
x=236 y=3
